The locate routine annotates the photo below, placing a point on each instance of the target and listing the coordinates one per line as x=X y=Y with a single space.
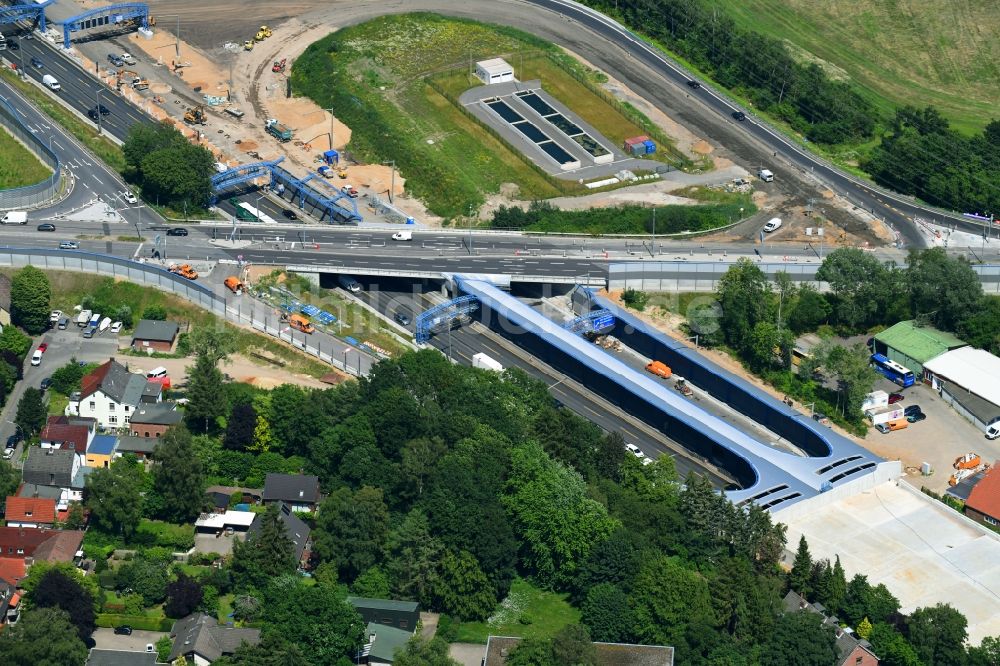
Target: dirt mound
x=702 y=147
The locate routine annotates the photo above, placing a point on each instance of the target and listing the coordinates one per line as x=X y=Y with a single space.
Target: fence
x=38 y=193
x=159 y=278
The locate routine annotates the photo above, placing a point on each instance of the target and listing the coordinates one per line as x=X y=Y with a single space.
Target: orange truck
x=659 y=368
x=234 y=285
x=185 y=271
x=300 y=323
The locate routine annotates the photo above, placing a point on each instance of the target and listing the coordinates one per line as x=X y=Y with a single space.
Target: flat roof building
x=494 y=70
x=912 y=345
x=969 y=380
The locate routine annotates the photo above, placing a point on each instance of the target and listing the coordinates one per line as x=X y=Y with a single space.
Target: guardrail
x=29 y=196
x=164 y=280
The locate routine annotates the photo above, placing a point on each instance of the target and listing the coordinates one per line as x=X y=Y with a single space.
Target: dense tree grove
x=759 y=67
x=30 y=294
x=167 y=167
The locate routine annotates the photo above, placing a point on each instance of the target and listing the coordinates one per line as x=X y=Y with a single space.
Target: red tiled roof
x=30 y=510
x=40 y=543
x=60 y=547
x=91 y=382
x=15 y=600
x=75 y=435
x=985 y=495
x=12 y=569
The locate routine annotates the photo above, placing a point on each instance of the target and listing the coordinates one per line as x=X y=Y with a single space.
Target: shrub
x=142 y=622
x=635 y=299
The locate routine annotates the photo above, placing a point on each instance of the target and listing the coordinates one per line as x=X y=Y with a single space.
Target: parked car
x=45 y=384
x=916 y=416
x=127 y=58
x=911 y=409
x=116 y=327
x=123 y=630
x=178 y=231
x=43 y=347
x=69 y=245
x=36 y=358
x=116 y=60
x=8 y=454
x=46 y=227
x=739 y=115
x=896 y=397
x=13 y=440
x=290 y=214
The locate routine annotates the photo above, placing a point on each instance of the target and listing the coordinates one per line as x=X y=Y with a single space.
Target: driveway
x=106 y=639
x=209 y=543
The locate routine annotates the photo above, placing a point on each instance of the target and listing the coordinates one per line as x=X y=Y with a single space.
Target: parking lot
x=938 y=439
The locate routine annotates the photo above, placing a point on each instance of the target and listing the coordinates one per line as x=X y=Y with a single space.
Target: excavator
x=195 y=116
x=248 y=45
x=263 y=33
x=279 y=66
x=184 y=270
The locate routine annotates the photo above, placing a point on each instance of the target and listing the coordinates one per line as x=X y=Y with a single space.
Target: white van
x=772 y=225
x=50 y=82
x=157 y=372
x=15 y=217
x=36 y=358
x=402 y=236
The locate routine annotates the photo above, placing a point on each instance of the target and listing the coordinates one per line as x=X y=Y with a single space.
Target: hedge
x=141 y=622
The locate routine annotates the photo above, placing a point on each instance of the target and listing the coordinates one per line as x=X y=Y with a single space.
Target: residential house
x=295 y=529
x=10 y=602
x=388 y=612
x=68 y=432
x=498 y=648
x=298 y=491
x=111 y=394
x=101 y=451
x=40 y=544
x=852 y=650
x=59 y=468
x=201 y=640
x=383 y=642
x=12 y=569
x=151 y=335
x=141 y=447
x=99 y=657
x=30 y=512
x=154 y=420
x=983 y=504
x=216 y=523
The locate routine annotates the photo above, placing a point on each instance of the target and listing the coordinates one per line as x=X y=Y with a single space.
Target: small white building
x=494 y=70
x=969 y=380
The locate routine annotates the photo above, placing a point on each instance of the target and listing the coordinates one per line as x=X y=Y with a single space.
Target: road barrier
x=159 y=278
x=29 y=196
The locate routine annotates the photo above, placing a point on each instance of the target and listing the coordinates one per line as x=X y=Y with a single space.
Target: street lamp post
x=257 y=207
x=393 y=185
x=330 y=111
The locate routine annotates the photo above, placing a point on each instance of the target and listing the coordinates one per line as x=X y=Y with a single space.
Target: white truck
x=885 y=414
x=874 y=400
x=765 y=175
x=485 y=362
x=15 y=217
x=83 y=318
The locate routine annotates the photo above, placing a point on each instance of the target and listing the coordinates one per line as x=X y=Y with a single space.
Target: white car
x=54 y=317
x=127 y=58
x=36 y=358
x=129 y=197
x=8 y=454
x=116 y=327
x=635 y=450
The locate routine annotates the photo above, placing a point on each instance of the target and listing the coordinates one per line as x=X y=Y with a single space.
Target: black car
x=36 y=63
x=402 y=319
x=46 y=383
x=694 y=85
x=123 y=630
x=12 y=45
x=104 y=110
x=12 y=441
x=911 y=409
x=290 y=214
x=92 y=114
x=46 y=227
x=739 y=115
x=916 y=416
x=178 y=231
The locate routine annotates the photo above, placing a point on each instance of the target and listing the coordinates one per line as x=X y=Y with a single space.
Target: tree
x=267 y=553
x=43 y=637
x=31 y=412
x=744 y=296
x=30 y=294
x=57 y=589
x=177 y=477
x=351 y=530
x=838 y=587
x=420 y=651
x=942 y=288
x=811 y=309
x=861 y=600
x=317 y=619
x=572 y=645
x=178 y=174
x=114 y=497
x=865 y=628
x=800 y=639
x=14 y=341
x=146 y=577
x=205 y=394
x=184 y=595
x=858 y=281
x=608 y=615
x=938 y=635
x=667 y=598
x=413 y=556
x=240 y=427
x=890 y=646
x=214 y=342
x=66 y=379
x=261 y=435
x=549 y=508
x=798 y=578
x=10 y=479
x=155 y=313
x=531 y=652
x=271 y=651
x=987 y=654
x=373 y=584
x=461 y=589
x=855 y=377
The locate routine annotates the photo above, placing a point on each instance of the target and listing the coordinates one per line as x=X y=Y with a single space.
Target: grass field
x=527 y=612
x=944 y=53
x=395 y=79
x=18 y=165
